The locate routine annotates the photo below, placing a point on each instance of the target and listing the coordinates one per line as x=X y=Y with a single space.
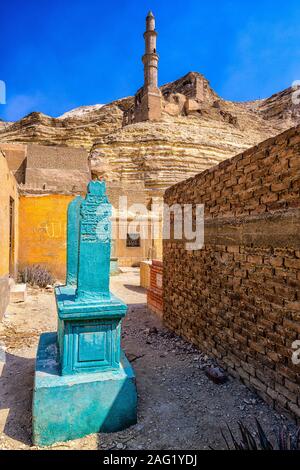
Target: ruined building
x=147 y=101
x=184 y=96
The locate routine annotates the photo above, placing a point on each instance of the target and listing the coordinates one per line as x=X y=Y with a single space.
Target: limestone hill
x=194 y=133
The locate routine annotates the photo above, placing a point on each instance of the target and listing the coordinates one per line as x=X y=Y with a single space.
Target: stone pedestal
x=89 y=334
x=83 y=381
x=72 y=406
x=18 y=293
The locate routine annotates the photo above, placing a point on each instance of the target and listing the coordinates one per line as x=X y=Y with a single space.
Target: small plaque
x=93 y=345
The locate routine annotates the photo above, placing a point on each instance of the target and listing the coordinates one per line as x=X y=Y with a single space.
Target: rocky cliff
x=198 y=130
x=74 y=129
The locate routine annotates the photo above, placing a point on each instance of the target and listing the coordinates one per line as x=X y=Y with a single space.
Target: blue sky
x=57 y=55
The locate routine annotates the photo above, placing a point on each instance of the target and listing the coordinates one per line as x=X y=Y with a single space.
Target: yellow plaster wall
x=42 y=238
x=42 y=235
x=8 y=188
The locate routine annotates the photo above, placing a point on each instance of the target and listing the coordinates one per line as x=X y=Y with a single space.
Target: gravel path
x=179 y=407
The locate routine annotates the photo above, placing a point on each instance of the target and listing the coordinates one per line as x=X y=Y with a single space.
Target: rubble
x=217 y=375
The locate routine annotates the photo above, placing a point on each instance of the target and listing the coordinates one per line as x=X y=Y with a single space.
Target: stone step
x=18 y=293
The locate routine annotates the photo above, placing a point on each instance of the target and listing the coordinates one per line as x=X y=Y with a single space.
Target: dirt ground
x=178 y=407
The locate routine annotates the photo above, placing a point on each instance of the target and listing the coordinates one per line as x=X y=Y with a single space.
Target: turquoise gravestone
x=83 y=382
x=73 y=240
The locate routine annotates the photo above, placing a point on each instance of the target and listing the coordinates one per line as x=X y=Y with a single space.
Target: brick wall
x=239 y=297
x=155 y=291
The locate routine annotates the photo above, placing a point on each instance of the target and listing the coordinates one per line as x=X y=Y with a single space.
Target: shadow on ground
x=178 y=407
x=16 y=385
x=137 y=289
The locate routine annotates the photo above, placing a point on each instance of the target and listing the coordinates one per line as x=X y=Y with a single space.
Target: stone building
x=42 y=181
x=148 y=100
x=41 y=167
x=56 y=168
x=186 y=95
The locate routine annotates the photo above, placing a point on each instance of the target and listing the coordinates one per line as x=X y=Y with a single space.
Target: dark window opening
x=133 y=240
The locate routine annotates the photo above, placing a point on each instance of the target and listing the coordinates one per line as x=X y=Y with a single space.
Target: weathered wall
x=155 y=291
x=41 y=167
x=239 y=297
x=8 y=189
x=15 y=155
x=42 y=237
x=59 y=168
x=145 y=268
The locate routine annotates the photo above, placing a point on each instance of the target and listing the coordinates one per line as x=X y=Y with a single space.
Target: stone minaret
x=150 y=58
x=148 y=103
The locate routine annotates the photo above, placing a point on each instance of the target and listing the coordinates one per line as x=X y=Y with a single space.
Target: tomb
x=83 y=382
